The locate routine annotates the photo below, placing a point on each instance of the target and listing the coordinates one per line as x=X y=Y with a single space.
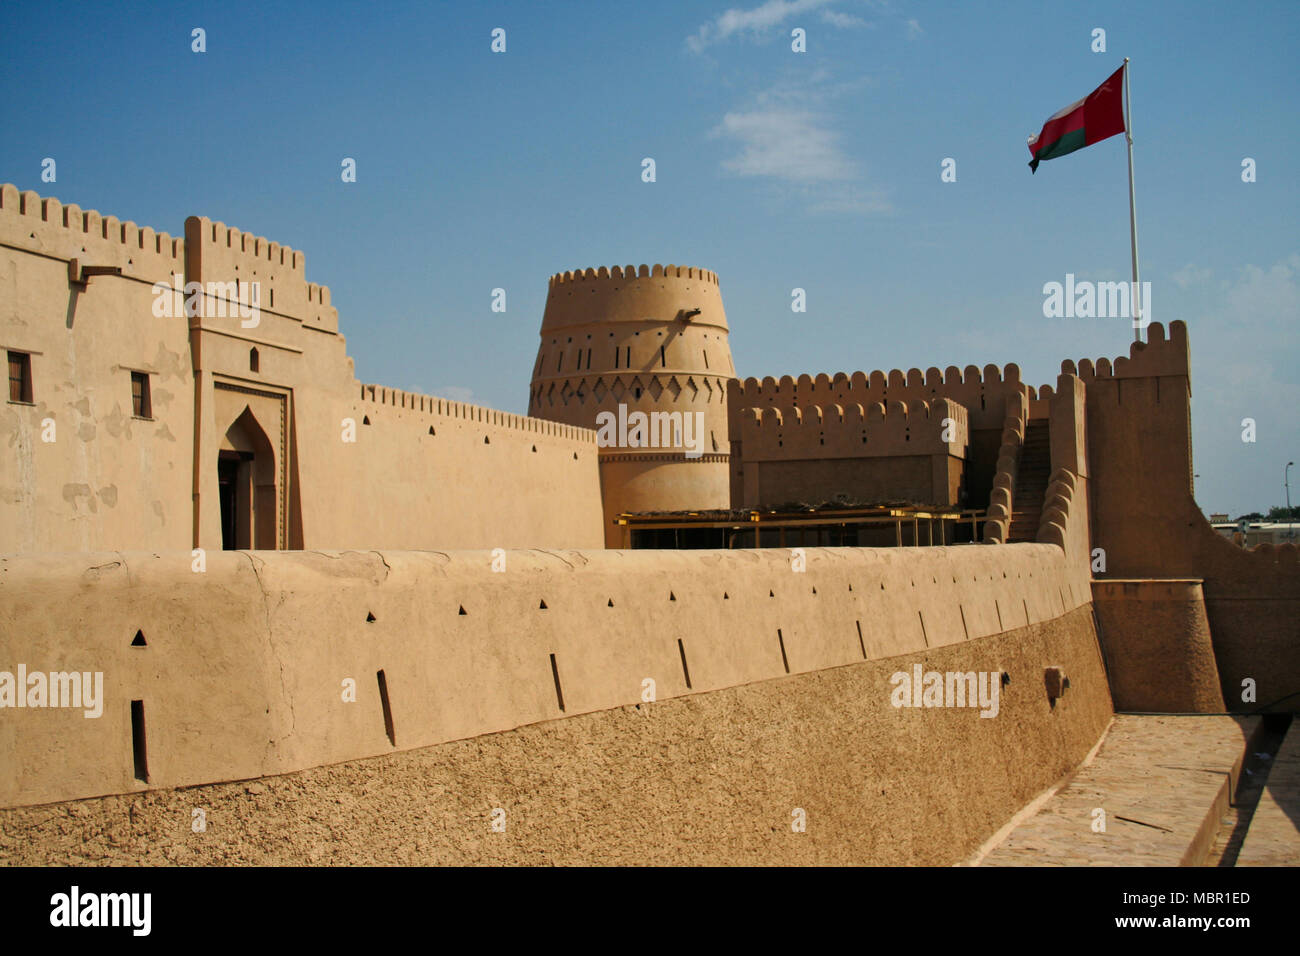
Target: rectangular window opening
x=141 y=403
x=20 y=377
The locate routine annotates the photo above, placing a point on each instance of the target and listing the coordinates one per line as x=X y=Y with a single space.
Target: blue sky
x=776 y=169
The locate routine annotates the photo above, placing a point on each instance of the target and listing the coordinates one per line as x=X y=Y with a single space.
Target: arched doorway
x=246 y=485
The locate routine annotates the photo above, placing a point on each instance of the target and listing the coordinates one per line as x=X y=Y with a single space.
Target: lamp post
x=1286 y=481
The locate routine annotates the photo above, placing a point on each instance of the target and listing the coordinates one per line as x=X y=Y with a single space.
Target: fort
x=234 y=530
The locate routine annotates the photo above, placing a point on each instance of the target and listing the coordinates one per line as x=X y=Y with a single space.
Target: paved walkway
x=1274 y=835
x=1160 y=784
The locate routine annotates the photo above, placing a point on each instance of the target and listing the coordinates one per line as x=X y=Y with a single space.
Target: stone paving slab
x=1273 y=838
x=1162 y=783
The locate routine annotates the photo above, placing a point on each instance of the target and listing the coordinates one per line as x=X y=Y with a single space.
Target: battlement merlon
x=870 y=387
x=678 y=298
x=215 y=252
x=46 y=227
x=939 y=427
x=445 y=408
x=1159 y=356
x=632 y=272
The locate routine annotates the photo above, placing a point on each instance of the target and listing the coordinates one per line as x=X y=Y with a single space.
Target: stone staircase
x=1031 y=482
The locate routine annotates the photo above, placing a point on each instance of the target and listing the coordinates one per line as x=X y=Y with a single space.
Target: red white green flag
x=1097 y=116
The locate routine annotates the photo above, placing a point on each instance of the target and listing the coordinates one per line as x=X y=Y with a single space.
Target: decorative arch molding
x=251 y=425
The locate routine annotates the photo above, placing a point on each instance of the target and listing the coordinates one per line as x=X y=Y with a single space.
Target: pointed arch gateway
x=247 y=486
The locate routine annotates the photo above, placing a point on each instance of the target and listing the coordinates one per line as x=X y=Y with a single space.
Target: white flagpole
x=1132 y=211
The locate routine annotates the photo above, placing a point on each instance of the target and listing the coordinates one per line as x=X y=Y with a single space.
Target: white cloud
x=844 y=21
x=754 y=21
x=791 y=135
x=456 y=393
x=913 y=29
x=1268 y=299
x=797 y=146
x=1189 y=275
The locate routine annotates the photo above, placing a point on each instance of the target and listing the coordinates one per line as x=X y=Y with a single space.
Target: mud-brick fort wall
x=80 y=472
x=324 y=462
x=1146 y=521
x=647 y=339
x=983 y=395
x=815 y=454
x=540 y=662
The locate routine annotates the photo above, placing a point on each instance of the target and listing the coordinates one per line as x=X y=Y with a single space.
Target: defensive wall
x=328 y=462
x=912 y=452
x=984 y=395
x=107 y=479
x=239 y=673
x=1146 y=521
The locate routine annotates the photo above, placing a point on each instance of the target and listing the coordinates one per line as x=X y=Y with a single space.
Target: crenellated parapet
x=618 y=273
x=218 y=255
x=46 y=227
x=1054 y=523
x=997 y=524
x=854 y=431
x=433 y=407
x=1161 y=355
x=982 y=392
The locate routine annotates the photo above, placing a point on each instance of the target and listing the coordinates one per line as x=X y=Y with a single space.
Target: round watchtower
x=622 y=341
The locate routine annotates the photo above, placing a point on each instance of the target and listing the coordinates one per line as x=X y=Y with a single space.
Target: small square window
x=20 y=377
x=141 y=406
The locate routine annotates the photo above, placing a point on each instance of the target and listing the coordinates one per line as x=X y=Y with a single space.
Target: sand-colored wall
x=1157 y=644
x=242 y=675
x=1139 y=424
x=110 y=481
x=903 y=452
x=648 y=339
x=107 y=480
x=984 y=396
x=707 y=778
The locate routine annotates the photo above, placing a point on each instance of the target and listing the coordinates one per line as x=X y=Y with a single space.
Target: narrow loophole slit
x=138 y=747
x=388 y=710
x=559 y=694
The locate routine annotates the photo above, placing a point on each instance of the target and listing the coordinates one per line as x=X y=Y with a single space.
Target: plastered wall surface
x=652 y=340
x=338 y=464
x=814 y=454
x=80 y=471
x=1156 y=640
x=1138 y=417
x=710 y=778
x=243 y=671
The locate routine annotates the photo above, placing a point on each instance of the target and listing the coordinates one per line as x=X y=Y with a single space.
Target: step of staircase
x=1032 y=478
